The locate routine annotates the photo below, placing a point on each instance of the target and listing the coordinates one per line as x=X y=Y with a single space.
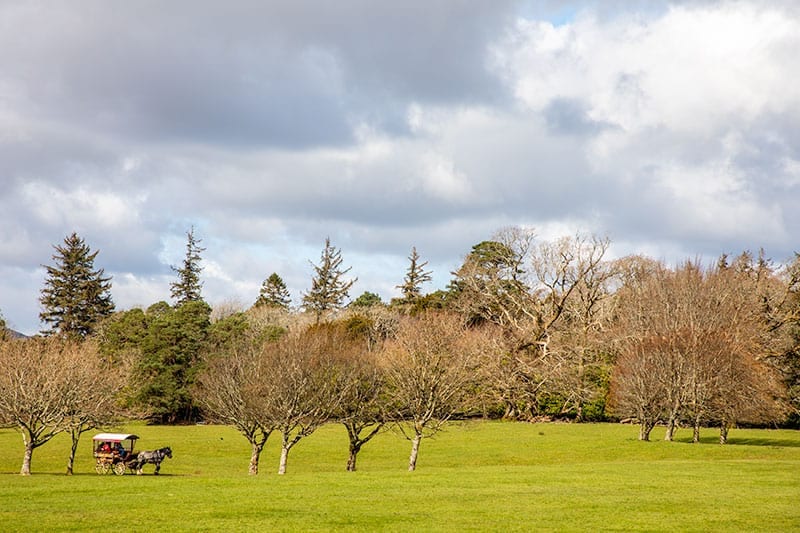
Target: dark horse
x=154 y=457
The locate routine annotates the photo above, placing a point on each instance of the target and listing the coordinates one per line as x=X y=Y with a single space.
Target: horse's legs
x=158 y=467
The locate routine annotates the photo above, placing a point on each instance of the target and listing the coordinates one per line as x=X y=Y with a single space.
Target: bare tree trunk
x=26 y=460
x=644 y=430
x=284 y=459
x=255 y=455
x=76 y=435
x=351 y=460
x=696 y=430
x=723 y=432
x=671 y=426
x=412 y=461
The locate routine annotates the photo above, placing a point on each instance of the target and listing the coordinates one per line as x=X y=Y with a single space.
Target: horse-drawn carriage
x=113 y=452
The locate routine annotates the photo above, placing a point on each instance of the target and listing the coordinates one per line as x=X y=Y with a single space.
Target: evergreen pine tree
x=328 y=288
x=171 y=348
x=75 y=296
x=367 y=299
x=274 y=293
x=415 y=277
x=188 y=286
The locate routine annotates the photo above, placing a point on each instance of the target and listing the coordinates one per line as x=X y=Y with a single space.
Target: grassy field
x=478 y=476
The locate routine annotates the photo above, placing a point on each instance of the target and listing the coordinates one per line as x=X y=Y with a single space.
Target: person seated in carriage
x=104 y=447
x=119 y=449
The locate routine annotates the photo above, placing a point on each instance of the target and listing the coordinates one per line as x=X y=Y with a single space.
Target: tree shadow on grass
x=759 y=441
x=744 y=441
x=88 y=474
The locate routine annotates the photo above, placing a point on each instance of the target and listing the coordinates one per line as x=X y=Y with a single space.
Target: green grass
x=476 y=476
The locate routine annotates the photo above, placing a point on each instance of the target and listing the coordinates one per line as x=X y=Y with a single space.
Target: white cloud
x=444 y=180
x=694 y=68
x=80 y=207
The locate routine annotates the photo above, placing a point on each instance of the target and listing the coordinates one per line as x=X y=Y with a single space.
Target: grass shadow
x=743 y=441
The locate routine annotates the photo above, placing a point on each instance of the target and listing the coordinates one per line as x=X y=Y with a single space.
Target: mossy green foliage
x=479 y=476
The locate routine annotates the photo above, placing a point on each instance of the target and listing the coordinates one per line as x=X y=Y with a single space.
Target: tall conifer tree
x=328 y=288
x=188 y=286
x=75 y=296
x=415 y=277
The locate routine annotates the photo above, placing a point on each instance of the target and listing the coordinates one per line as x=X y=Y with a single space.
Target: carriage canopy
x=114 y=437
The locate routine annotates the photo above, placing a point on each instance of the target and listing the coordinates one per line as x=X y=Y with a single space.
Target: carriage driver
x=120 y=450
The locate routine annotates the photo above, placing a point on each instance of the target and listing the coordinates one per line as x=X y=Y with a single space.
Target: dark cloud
x=249 y=73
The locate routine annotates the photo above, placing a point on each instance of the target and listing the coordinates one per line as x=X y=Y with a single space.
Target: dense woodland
x=526 y=330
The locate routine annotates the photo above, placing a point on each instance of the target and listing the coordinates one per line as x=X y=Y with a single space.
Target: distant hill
x=16 y=334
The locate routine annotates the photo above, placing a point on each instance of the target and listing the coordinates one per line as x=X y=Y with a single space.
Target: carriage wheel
x=101 y=467
x=119 y=468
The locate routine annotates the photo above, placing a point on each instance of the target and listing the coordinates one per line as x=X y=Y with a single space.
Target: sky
x=672 y=128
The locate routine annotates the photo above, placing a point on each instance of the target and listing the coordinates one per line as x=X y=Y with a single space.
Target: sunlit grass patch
x=475 y=476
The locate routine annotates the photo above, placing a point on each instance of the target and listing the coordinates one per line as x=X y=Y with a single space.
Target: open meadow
x=477 y=475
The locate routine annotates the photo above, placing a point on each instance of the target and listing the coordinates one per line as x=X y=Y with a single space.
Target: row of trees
x=696 y=345
x=526 y=329
x=419 y=377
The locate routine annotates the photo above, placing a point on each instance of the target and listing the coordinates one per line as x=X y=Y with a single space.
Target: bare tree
x=36 y=390
x=229 y=389
x=270 y=322
x=638 y=390
x=707 y=332
x=373 y=325
x=302 y=392
x=747 y=388
x=429 y=367
x=548 y=298
x=576 y=360
x=96 y=383
x=363 y=403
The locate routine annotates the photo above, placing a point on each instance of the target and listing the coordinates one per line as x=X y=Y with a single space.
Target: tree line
x=526 y=330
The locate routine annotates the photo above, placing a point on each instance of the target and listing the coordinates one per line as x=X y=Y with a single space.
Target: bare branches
x=550 y=301
x=696 y=336
x=229 y=391
x=50 y=385
x=429 y=368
